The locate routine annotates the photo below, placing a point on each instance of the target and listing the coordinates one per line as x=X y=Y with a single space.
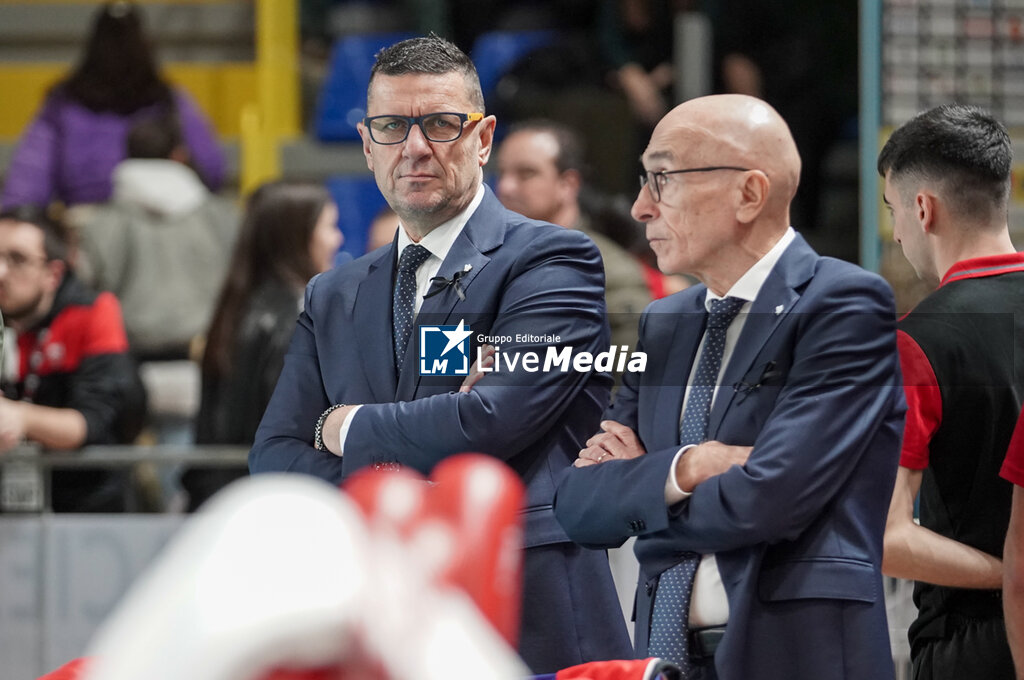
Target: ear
x=486 y=132
x=572 y=180
x=926 y=206
x=753 y=196
x=364 y=134
x=55 y=274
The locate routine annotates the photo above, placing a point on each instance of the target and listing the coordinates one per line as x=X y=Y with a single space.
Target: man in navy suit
x=792 y=411
x=351 y=395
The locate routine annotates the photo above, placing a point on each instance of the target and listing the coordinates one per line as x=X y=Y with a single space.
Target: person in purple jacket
x=71 y=147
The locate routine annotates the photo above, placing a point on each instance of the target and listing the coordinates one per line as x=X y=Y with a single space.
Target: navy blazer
x=525 y=278
x=814 y=386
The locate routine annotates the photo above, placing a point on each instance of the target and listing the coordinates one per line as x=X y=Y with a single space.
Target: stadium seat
x=495 y=52
x=359 y=200
x=342 y=101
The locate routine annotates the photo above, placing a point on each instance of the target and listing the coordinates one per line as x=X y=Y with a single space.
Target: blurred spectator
x=382 y=229
x=76 y=384
x=802 y=59
x=636 y=39
x=162 y=243
x=288 y=235
x=540 y=174
x=71 y=147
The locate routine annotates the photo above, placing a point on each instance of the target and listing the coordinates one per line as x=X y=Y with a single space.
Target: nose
x=644 y=208
x=416 y=144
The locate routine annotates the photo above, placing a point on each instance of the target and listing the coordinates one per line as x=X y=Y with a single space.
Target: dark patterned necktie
x=404 y=300
x=671 y=614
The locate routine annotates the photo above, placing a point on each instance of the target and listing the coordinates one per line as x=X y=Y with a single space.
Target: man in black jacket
x=75 y=383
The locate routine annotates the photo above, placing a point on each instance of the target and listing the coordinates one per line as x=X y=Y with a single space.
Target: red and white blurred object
x=651 y=668
x=463 y=524
x=281 y=577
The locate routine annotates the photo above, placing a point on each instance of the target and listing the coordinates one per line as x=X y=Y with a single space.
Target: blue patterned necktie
x=671 y=614
x=404 y=300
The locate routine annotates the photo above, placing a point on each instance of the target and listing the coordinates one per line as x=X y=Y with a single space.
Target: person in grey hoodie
x=161 y=244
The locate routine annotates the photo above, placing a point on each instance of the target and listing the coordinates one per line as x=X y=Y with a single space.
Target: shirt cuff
x=674 y=494
x=344 y=428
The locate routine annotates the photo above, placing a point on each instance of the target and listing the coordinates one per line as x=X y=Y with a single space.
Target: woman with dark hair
x=288 y=235
x=71 y=147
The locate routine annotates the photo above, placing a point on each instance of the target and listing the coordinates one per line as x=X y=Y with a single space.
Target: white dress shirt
x=709 y=606
x=439 y=241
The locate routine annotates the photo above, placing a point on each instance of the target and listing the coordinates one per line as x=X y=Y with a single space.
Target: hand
x=485 y=359
x=331 y=432
x=614 y=442
x=644 y=98
x=708 y=460
x=741 y=75
x=12 y=424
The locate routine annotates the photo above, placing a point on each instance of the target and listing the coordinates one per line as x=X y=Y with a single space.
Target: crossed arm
x=841 y=399
x=553 y=287
x=693 y=466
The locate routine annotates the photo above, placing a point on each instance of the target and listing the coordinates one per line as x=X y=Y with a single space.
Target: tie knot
x=412 y=257
x=723 y=311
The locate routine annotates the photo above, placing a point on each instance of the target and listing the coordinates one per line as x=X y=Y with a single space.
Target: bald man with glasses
x=755 y=458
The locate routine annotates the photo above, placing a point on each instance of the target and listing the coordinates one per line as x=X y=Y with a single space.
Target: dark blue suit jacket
x=814 y=386
x=525 y=278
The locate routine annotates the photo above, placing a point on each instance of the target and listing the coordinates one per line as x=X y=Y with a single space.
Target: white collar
x=749 y=285
x=441 y=238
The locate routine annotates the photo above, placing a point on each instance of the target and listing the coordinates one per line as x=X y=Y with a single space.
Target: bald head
x=720 y=172
x=737 y=130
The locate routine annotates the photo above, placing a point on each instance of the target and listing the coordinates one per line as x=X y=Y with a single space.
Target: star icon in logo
x=456 y=336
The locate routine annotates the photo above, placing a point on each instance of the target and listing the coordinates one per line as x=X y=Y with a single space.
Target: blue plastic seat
x=495 y=52
x=359 y=200
x=342 y=101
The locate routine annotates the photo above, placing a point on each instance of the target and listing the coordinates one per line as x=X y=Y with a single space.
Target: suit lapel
x=484 y=231
x=372 y=317
x=774 y=302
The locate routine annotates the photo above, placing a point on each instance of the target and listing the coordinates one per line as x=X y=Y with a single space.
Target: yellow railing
x=256 y=102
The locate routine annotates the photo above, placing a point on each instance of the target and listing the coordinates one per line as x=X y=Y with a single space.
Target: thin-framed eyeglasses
x=655 y=181
x=16 y=261
x=443 y=126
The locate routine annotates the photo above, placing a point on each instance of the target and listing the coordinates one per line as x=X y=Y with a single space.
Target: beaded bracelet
x=318 y=434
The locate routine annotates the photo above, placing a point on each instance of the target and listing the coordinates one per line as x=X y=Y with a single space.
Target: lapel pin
x=778 y=309
x=440 y=283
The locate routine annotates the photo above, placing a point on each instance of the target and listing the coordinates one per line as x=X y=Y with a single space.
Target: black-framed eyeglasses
x=655 y=181
x=443 y=126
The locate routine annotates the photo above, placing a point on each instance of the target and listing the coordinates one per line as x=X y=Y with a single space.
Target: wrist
x=318 y=432
x=685 y=476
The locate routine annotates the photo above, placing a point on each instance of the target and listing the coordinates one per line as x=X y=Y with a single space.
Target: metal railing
x=25 y=471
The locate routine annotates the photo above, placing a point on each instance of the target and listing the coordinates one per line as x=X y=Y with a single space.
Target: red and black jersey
x=963 y=372
x=77 y=357
x=1013 y=464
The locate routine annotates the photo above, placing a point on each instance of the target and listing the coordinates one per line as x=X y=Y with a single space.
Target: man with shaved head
x=755 y=458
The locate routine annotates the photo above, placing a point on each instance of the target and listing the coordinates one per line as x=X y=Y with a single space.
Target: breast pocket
x=753 y=398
